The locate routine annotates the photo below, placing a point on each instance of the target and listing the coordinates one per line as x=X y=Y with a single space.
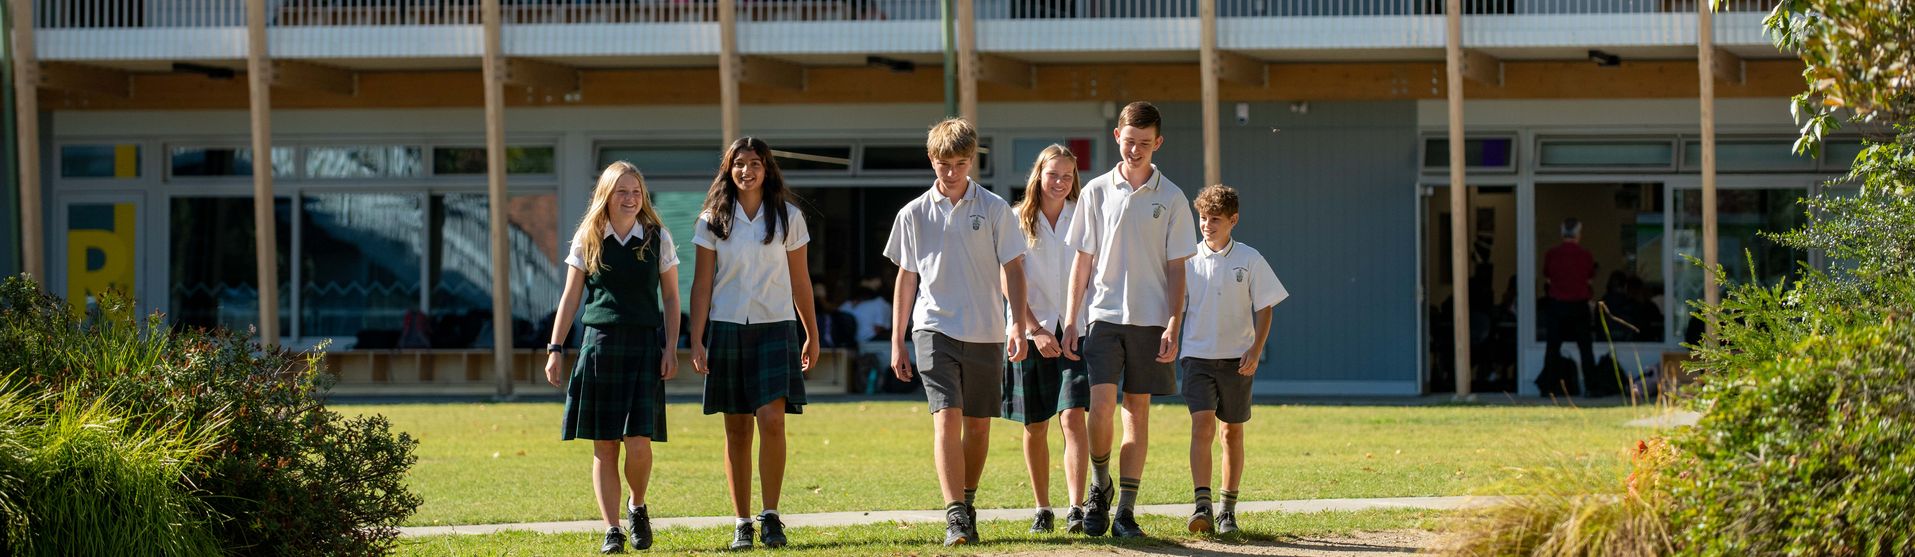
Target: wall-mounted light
x=214 y=72
x=1604 y=59
x=893 y=64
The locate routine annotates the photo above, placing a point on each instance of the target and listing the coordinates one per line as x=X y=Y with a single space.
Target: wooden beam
x=260 y=107
x=1005 y=70
x=966 y=38
x=294 y=74
x=1208 y=69
x=728 y=70
x=1480 y=67
x=26 y=106
x=1728 y=67
x=767 y=72
x=1708 y=70
x=79 y=78
x=1459 y=202
x=546 y=76
x=1241 y=69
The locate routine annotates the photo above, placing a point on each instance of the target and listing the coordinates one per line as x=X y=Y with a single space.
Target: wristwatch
x=555 y=349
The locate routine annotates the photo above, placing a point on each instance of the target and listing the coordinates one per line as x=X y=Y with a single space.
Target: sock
x=743 y=522
x=960 y=506
x=1043 y=509
x=1126 y=493
x=1100 y=470
x=634 y=508
x=970 y=496
x=773 y=512
x=1229 y=501
x=1203 y=498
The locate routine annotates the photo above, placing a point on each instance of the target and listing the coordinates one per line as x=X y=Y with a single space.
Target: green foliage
x=1860 y=57
x=85 y=478
x=286 y=476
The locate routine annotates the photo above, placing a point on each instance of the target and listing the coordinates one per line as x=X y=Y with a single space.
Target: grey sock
x=970 y=496
x=1203 y=498
x=1126 y=493
x=1100 y=470
x=1229 y=501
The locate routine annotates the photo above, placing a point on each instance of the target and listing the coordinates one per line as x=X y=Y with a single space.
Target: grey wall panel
x=1329 y=200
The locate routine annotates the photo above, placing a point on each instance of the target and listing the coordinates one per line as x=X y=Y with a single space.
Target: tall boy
x=1132 y=232
x=954 y=246
x=1232 y=291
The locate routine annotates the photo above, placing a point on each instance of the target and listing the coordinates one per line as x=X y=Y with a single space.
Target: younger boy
x=1232 y=291
x=953 y=246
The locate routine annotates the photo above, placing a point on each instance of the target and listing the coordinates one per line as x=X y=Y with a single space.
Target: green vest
x=624 y=291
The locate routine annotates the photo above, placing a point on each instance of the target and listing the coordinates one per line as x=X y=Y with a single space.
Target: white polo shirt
x=958 y=251
x=667 y=250
x=752 y=281
x=1133 y=230
x=1047 y=270
x=1226 y=289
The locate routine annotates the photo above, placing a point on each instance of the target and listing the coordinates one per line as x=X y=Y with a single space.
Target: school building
x=137 y=128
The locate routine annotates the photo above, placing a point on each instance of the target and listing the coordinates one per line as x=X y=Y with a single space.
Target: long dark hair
x=724 y=192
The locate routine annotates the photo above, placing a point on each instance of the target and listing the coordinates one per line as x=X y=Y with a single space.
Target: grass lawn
x=919 y=539
x=496 y=463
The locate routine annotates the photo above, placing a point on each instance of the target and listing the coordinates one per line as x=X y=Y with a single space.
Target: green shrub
x=98 y=481
x=287 y=476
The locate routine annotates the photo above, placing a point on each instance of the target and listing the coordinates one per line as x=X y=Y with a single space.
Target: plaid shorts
x=616 y=391
x=753 y=365
x=1039 y=388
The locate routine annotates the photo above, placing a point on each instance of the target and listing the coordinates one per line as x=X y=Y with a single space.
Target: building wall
x=1328 y=196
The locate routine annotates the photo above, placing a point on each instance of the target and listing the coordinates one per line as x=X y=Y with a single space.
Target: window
x=664 y=160
x=1748 y=155
x=813 y=158
x=461 y=266
x=1622 y=229
x=1741 y=215
x=364 y=161
x=449 y=161
x=226 y=161
x=359 y=261
x=1606 y=154
x=912 y=158
x=214 y=278
x=1839 y=154
x=1489 y=154
x=118 y=161
x=680 y=211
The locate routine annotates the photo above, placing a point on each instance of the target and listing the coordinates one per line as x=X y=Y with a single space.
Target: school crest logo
x=977 y=222
x=1156 y=210
x=1242 y=273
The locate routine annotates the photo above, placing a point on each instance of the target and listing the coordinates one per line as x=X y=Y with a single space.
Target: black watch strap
x=555 y=349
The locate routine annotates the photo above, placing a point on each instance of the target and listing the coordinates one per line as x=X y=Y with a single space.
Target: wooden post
x=1459 y=200
x=967 y=61
x=1705 y=68
x=494 y=77
x=728 y=70
x=26 y=105
x=259 y=73
x=1207 y=65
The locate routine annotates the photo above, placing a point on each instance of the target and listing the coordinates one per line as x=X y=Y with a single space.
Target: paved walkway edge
x=870 y=517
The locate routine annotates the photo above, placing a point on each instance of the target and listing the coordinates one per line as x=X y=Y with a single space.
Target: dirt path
x=1398 y=542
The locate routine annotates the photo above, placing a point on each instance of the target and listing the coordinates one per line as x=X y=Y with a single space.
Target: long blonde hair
x=590 y=236
x=1032 y=205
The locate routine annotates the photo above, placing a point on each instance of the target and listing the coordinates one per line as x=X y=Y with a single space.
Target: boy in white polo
x=1132 y=231
x=954 y=245
x=1232 y=291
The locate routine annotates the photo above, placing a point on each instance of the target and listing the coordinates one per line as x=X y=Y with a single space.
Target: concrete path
x=870 y=517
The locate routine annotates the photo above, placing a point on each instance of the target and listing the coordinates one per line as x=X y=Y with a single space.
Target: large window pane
x=462 y=268
x=214 y=276
x=664 y=160
x=1601 y=154
x=365 y=161
x=1622 y=228
x=912 y=157
x=360 y=255
x=226 y=161
x=1838 y=155
x=817 y=158
x=1494 y=153
x=679 y=210
x=1749 y=156
x=452 y=161
x=1741 y=215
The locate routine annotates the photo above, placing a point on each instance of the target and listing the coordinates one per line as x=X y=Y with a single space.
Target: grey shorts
x=968 y=376
x=1215 y=385
x=1126 y=356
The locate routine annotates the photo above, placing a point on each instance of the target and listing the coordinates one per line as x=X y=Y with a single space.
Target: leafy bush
x=1566 y=511
x=286 y=476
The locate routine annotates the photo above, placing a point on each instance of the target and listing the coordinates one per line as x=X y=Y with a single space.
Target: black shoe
x=1126 y=525
x=614 y=541
x=774 y=536
x=970 y=522
x=1097 y=511
x=1042 y=524
x=1200 y=521
x=1227 y=522
x=956 y=532
x=1074 y=522
x=639 y=523
x=741 y=538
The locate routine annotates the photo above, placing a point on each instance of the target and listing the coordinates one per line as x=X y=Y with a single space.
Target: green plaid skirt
x=1039 y=388
x=752 y=365
x=615 y=391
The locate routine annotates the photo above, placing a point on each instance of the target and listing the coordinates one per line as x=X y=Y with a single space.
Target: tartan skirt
x=616 y=391
x=1039 y=388
x=753 y=365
